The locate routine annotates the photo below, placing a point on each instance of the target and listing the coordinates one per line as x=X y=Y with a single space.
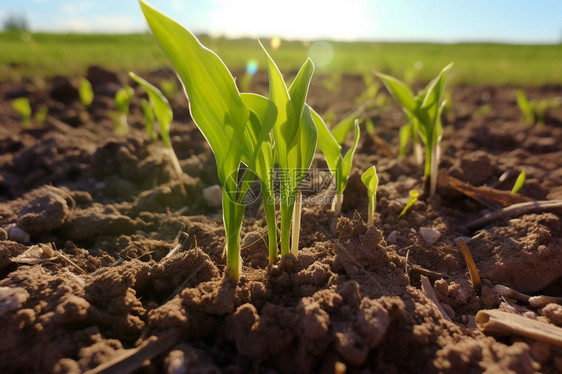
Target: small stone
x=429 y=235
x=213 y=196
x=392 y=237
x=16 y=234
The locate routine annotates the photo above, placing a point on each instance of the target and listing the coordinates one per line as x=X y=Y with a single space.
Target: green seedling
x=41 y=115
x=371 y=181
x=236 y=126
x=329 y=143
x=148 y=114
x=296 y=138
x=424 y=111
x=164 y=115
x=519 y=182
x=85 y=93
x=122 y=101
x=413 y=198
x=533 y=111
x=22 y=106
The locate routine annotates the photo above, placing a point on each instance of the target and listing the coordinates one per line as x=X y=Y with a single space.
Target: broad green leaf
x=429 y=109
x=85 y=92
x=302 y=153
x=400 y=91
x=299 y=88
x=161 y=106
x=286 y=117
x=347 y=160
x=262 y=119
x=214 y=100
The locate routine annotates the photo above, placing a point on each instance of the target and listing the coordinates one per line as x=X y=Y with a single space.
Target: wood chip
x=428 y=290
x=496 y=321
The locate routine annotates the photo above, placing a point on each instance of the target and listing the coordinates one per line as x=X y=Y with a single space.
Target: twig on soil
x=497 y=321
x=428 y=290
x=133 y=359
x=517 y=210
x=472 y=270
x=534 y=301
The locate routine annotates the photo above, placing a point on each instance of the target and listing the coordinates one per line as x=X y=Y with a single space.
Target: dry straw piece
x=497 y=321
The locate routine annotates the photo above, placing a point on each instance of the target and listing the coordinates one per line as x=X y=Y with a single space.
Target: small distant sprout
x=371 y=181
x=22 y=106
x=519 y=182
x=251 y=70
x=169 y=88
x=424 y=111
x=86 y=93
x=122 y=101
x=329 y=143
x=413 y=198
x=148 y=114
x=41 y=115
x=370 y=126
x=534 y=111
x=483 y=111
x=332 y=81
x=164 y=115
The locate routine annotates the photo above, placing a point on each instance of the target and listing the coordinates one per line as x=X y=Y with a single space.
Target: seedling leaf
x=413 y=198
x=371 y=181
x=519 y=182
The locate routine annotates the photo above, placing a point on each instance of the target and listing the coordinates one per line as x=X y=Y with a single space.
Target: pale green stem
x=435 y=156
x=175 y=162
x=372 y=207
x=233 y=214
x=418 y=152
x=296 y=224
x=269 y=208
x=286 y=215
x=337 y=203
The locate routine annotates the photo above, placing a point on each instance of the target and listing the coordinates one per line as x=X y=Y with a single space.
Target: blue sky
x=514 y=21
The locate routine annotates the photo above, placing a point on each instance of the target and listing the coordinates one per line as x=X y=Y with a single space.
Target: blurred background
x=490 y=41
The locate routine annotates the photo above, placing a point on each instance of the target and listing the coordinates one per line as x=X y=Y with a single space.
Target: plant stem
x=233 y=214
x=427 y=167
x=435 y=156
x=372 y=207
x=296 y=229
x=286 y=215
x=337 y=202
x=175 y=162
x=269 y=208
x=418 y=152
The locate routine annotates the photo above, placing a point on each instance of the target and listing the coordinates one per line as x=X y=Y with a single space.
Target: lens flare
x=275 y=42
x=321 y=53
x=251 y=67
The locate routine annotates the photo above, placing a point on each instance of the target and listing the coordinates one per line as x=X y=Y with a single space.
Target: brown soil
x=87 y=219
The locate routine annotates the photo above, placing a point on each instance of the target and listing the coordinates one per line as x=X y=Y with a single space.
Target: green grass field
x=44 y=55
